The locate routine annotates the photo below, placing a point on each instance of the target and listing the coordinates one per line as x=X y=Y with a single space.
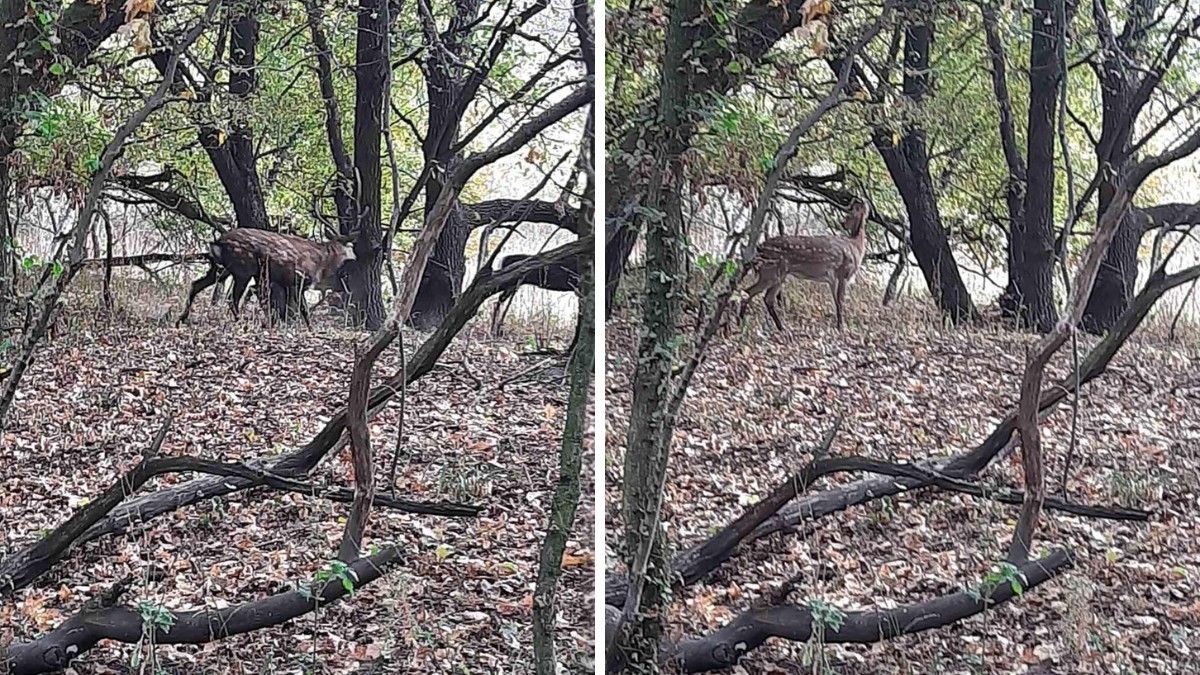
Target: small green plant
x=825 y=617
x=155 y=617
x=1004 y=573
x=336 y=570
x=1128 y=489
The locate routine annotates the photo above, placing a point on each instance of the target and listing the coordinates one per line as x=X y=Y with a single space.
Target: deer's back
x=284 y=248
x=288 y=258
x=810 y=257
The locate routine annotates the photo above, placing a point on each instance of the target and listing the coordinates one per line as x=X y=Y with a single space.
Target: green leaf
x=57 y=69
x=442 y=552
x=734 y=67
x=57 y=269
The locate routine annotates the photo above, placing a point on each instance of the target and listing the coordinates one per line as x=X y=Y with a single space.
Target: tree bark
x=444 y=276
x=566 y=493
x=55 y=650
x=1119 y=86
x=365 y=280
x=1014 y=192
x=725 y=647
x=907 y=160
x=648 y=440
x=1029 y=295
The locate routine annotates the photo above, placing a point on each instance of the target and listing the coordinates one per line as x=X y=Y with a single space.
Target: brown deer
x=833 y=259
x=280 y=265
x=562 y=276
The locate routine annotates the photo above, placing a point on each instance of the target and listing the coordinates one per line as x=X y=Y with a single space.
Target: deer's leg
x=239 y=290
x=220 y=286
x=214 y=273
x=839 y=296
x=771 y=297
x=759 y=286
x=500 y=310
x=303 y=306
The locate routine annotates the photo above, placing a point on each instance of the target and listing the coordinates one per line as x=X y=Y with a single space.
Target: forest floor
x=458 y=602
x=910 y=389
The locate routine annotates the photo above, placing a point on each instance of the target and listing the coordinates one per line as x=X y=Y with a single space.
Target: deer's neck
x=858 y=241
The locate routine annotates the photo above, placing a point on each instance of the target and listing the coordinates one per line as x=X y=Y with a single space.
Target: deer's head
x=857 y=218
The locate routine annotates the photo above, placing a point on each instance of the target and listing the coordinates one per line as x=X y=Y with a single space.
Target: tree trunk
x=7 y=235
x=1118 y=272
x=365 y=280
x=444 y=82
x=1118 y=91
x=441 y=285
x=566 y=493
x=232 y=153
x=907 y=160
x=1029 y=295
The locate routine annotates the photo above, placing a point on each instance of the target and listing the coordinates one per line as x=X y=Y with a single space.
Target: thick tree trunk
x=1029 y=296
x=442 y=283
x=444 y=84
x=1116 y=281
x=908 y=163
x=1119 y=87
x=365 y=280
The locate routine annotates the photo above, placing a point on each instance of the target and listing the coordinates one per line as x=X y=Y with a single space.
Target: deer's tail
x=216 y=253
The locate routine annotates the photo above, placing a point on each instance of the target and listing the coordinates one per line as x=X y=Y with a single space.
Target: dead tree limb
x=698 y=561
x=147 y=258
x=55 y=650
x=750 y=630
x=133 y=512
x=20 y=569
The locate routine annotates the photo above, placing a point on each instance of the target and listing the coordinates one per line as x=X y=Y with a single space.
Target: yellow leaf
x=895 y=139
x=815 y=9
x=820 y=38
x=136 y=8
x=220 y=137
x=141 y=37
x=570 y=561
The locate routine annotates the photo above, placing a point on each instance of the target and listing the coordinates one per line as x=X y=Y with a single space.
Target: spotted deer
x=833 y=259
x=283 y=264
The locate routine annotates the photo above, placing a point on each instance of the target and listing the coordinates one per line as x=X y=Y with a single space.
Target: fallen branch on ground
x=55 y=650
x=22 y=568
x=695 y=563
x=971 y=463
x=298 y=463
x=751 y=629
